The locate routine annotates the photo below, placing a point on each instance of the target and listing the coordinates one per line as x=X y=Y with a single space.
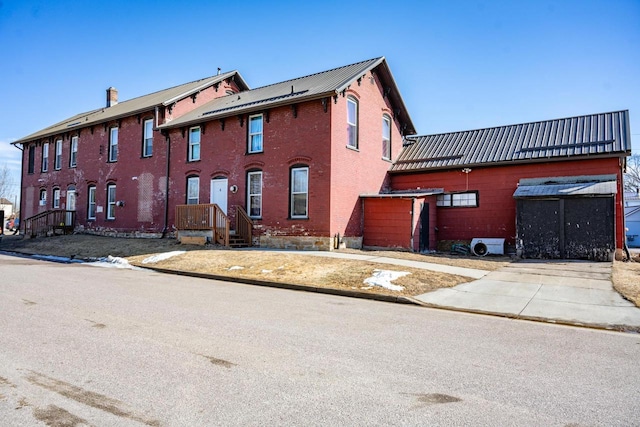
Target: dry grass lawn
x=275 y=266
x=626 y=279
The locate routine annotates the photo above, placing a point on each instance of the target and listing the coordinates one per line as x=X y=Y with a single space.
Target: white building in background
x=632 y=218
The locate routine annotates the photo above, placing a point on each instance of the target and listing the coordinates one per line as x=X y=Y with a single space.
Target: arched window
x=254 y=193
x=386 y=137
x=56 y=198
x=43 y=197
x=91 y=202
x=193 y=190
x=111 y=201
x=352 y=122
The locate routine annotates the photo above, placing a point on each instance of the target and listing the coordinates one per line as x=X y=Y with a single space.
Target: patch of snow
x=236 y=267
x=384 y=278
x=52 y=258
x=267 y=271
x=111 y=262
x=161 y=257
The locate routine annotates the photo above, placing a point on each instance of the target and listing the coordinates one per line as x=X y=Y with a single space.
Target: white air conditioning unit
x=483 y=246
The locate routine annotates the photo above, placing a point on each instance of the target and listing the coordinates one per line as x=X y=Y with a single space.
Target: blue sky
x=459 y=64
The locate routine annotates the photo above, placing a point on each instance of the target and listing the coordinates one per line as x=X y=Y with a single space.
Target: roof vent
x=218 y=71
x=112 y=96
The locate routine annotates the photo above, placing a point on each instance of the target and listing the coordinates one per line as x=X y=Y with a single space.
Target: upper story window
x=254 y=194
x=56 y=198
x=194 y=144
x=460 y=200
x=147 y=138
x=386 y=137
x=91 y=202
x=58 y=158
x=73 y=157
x=255 y=134
x=111 y=201
x=352 y=122
x=32 y=159
x=193 y=190
x=45 y=156
x=299 y=192
x=113 y=145
x=43 y=197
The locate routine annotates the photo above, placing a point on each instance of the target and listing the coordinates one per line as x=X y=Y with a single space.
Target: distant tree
x=6 y=182
x=632 y=176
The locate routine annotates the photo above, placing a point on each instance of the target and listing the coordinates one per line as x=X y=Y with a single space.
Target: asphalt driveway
x=571 y=292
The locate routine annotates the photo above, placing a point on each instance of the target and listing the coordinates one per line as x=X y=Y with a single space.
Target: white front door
x=219 y=192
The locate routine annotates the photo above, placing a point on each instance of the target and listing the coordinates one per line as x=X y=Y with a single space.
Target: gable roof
x=604 y=134
x=4 y=201
x=132 y=106
x=315 y=86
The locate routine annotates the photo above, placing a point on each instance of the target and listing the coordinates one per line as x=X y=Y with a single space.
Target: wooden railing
x=244 y=225
x=51 y=220
x=204 y=217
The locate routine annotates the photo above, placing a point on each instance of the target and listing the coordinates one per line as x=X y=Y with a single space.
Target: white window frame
x=251 y=196
x=193 y=190
x=299 y=191
x=57 y=164
x=73 y=156
x=45 y=157
x=352 y=123
x=386 y=137
x=256 y=136
x=111 y=201
x=113 y=144
x=56 y=198
x=147 y=138
x=194 y=146
x=91 y=197
x=43 y=197
x=467 y=199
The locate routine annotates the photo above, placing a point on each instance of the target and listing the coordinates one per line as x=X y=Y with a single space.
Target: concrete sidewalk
x=568 y=292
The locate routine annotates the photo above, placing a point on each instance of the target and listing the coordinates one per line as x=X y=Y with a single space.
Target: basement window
x=467 y=199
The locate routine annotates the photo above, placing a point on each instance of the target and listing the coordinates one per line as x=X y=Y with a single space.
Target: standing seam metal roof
x=314 y=86
x=132 y=106
x=594 y=134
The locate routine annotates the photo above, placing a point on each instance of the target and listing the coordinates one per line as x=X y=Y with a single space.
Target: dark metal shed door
x=538 y=225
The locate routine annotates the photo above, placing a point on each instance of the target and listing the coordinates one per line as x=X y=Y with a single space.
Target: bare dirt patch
x=626 y=280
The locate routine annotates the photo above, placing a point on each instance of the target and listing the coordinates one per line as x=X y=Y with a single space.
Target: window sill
x=193 y=161
x=306 y=218
x=248 y=153
x=353 y=148
x=387 y=160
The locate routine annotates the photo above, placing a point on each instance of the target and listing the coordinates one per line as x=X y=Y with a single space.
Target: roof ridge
x=318 y=73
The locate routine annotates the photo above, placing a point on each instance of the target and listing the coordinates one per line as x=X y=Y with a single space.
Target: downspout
x=413 y=203
x=623 y=167
x=166 y=188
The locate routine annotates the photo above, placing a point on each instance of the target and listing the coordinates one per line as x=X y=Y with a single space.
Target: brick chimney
x=112 y=97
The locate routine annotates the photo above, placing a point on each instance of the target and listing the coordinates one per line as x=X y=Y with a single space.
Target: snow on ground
x=161 y=257
x=111 y=262
x=384 y=278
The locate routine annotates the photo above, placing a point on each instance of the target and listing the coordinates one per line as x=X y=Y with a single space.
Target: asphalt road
x=106 y=347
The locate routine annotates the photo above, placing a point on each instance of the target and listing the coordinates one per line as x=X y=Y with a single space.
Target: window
x=45 y=157
x=58 y=159
x=113 y=145
x=255 y=134
x=32 y=157
x=111 y=201
x=43 y=197
x=300 y=192
x=73 y=157
x=194 y=144
x=147 y=143
x=386 y=137
x=352 y=122
x=91 y=208
x=56 y=198
x=254 y=194
x=193 y=190
x=469 y=199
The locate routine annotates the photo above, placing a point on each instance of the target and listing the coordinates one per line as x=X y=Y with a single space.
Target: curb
x=290 y=286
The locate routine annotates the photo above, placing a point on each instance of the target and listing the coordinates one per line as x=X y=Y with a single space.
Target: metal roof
x=599 y=185
x=315 y=86
x=132 y=106
x=403 y=194
x=603 y=134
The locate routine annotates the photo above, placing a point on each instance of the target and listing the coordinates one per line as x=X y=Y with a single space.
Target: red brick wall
x=387 y=222
x=359 y=171
x=288 y=141
x=495 y=216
